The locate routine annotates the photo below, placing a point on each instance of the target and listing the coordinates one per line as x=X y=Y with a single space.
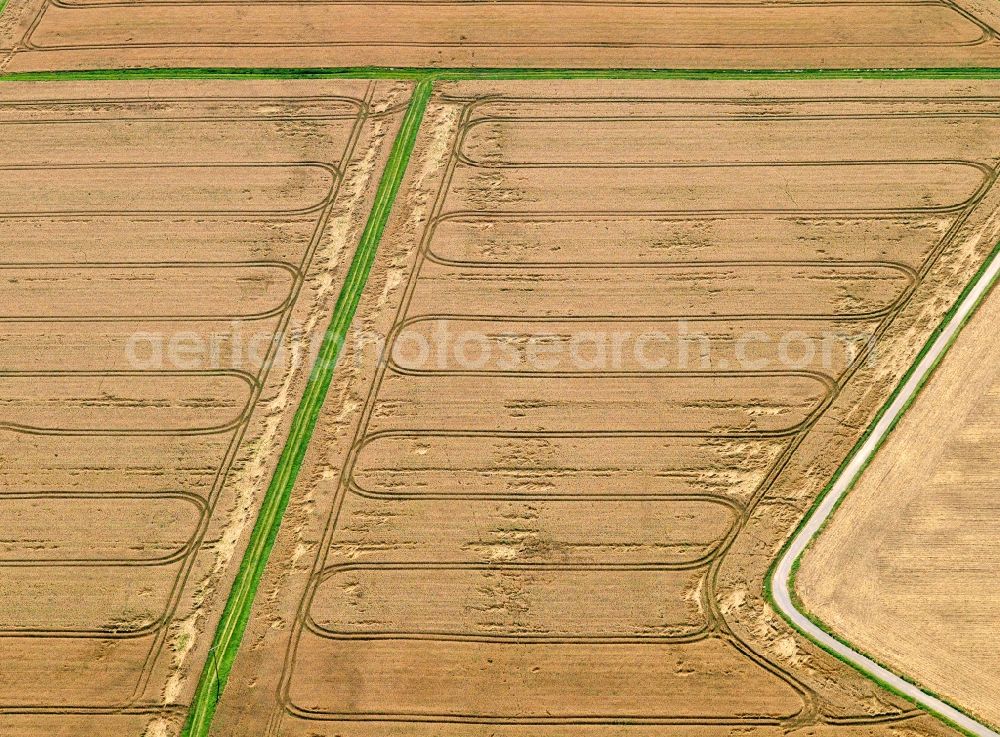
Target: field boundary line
x=421 y=74
x=779 y=587
x=236 y=614
x=224 y=452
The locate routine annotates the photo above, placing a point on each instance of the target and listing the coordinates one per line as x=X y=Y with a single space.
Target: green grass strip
x=425 y=73
x=796 y=600
x=231 y=627
x=237 y=611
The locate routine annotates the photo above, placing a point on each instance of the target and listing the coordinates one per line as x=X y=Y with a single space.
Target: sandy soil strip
x=166 y=265
x=431 y=575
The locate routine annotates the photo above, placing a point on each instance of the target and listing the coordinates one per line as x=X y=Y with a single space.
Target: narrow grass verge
x=455 y=73
x=796 y=600
x=235 y=616
x=237 y=611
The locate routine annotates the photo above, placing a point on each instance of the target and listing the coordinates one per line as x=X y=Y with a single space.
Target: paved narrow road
x=782 y=573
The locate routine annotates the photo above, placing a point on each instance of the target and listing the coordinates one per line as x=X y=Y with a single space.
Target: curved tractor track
x=782 y=584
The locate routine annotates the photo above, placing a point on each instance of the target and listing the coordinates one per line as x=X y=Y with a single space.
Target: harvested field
x=170 y=250
x=614 y=378
x=98 y=34
x=906 y=569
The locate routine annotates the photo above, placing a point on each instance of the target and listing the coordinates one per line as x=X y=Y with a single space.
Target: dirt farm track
x=450 y=368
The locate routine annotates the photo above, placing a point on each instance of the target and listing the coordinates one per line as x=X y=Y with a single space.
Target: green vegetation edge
x=446 y=74
x=236 y=614
x=237 y=611
x=796 y=600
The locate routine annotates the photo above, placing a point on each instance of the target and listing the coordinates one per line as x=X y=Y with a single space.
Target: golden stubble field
x=906 y=569
x=632 y=329
x=171 y=250
x=795 y=34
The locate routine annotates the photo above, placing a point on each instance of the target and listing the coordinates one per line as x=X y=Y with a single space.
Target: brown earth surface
x=632 y=329
x=170 y=252
x=99 y=34
x=906 y=569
